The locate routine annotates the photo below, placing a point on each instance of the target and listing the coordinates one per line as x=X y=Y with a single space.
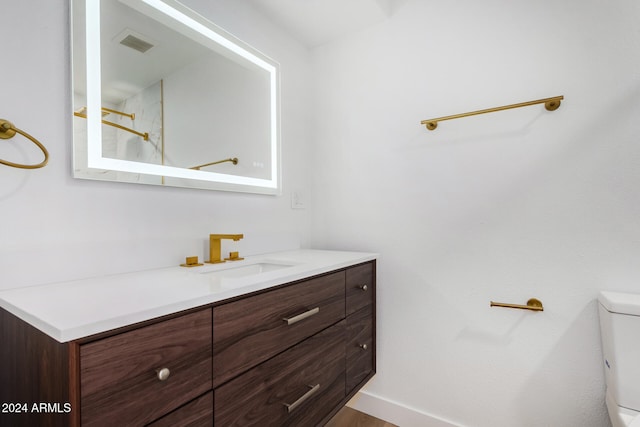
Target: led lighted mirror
x=163 y=96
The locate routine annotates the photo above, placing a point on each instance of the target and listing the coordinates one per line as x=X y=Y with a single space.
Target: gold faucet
x=214 y=246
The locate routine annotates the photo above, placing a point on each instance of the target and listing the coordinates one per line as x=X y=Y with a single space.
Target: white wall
x=504 y=207
x=54 y=227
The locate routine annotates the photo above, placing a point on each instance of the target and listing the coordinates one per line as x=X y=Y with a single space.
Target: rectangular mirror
x=163 y=96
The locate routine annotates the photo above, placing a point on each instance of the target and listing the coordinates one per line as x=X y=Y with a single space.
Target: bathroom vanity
x=284 y=340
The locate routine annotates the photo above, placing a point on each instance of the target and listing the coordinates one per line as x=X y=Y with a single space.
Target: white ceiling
x=315 y=22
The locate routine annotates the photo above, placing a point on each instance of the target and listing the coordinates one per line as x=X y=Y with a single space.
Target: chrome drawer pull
x=163 y=374
x=291 y=407
x=301 y=316
x=363 y=346
x=364 y=287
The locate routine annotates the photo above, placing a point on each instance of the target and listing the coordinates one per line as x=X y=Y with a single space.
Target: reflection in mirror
x=163 y=96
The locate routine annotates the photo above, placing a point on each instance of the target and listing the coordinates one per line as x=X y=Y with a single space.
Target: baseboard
x=394 y=412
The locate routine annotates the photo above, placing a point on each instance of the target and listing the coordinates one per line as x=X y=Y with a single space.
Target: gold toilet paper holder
x=533 y=304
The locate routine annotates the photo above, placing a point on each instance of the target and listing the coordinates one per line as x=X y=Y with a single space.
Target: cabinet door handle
x=163 y=374
x=301 y=316
x=363 y=287
x=363 y=346
x=292 y=406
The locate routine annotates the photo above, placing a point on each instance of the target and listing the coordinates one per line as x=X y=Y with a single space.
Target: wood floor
x=348 y=417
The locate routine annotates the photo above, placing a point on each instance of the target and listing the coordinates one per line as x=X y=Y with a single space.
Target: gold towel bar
x=533 y=304
x=8 y=130
x=550 y=104
x=144 y=135
x=233 y=160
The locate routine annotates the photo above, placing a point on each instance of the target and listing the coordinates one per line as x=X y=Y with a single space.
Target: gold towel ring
x=8 y=130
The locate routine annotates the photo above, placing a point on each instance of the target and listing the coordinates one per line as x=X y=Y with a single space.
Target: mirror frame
x=94 y=165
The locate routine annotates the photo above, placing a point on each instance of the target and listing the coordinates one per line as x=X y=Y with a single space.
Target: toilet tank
x=620 y=333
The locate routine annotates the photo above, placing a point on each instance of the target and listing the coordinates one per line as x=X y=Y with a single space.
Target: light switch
x=297 y=200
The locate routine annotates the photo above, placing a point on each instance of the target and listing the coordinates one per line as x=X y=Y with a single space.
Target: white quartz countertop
x=71 y=310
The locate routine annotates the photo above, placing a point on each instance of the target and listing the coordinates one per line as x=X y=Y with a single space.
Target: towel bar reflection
x=533 y=304
x=143 y=135
x=233 y=160
x=132 y=116
x=8 y=130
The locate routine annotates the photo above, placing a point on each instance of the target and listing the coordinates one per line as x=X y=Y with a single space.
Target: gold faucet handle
x=234 y=256
x=191 y=261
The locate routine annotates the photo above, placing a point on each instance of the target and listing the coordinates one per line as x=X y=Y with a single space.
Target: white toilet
x=620 y=333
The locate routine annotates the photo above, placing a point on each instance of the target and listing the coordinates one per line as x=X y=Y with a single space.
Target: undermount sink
x=246 y=270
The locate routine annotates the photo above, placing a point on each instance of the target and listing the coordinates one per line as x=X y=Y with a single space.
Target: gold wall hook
x=533 y=304
x=8 y=130
x=551 y=104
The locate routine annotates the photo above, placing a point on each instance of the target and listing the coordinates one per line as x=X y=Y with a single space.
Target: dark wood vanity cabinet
x=298 y=387
x=294 y=355
x=360 y=340
x=251 y=330
x=291 y=355
x=197 y=413
x=136 y=377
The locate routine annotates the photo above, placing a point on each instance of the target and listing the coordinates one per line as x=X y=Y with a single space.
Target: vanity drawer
x=251 y=330
x=360 y=347
x=120 y=375
x=360 y=287
x=195 y=413
x=296 y=388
